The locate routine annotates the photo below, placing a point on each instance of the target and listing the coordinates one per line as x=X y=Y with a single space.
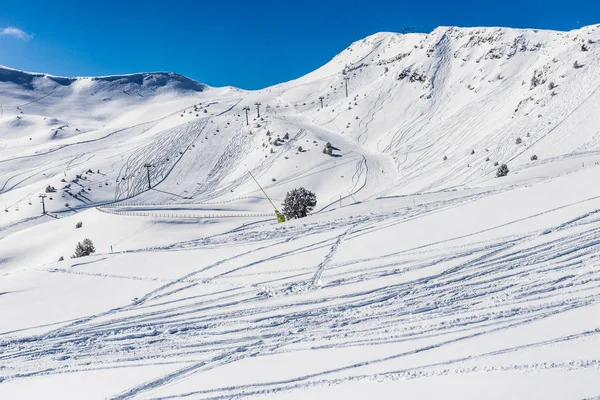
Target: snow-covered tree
x=84 y=248
x=298 y=203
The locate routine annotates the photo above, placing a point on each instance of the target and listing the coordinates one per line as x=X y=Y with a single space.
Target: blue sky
x=249 y=44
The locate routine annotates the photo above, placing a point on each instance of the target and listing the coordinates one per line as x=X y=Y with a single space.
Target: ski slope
x=419 y=274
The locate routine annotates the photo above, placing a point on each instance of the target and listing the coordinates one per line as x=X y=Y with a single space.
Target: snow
x=414 y=277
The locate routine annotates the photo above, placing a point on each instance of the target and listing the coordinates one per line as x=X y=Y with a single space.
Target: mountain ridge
x=6 y=71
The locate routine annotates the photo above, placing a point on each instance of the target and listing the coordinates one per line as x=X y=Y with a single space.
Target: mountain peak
x=151 y=80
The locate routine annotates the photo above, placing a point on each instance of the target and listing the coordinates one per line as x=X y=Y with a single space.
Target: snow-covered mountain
x=416 y=263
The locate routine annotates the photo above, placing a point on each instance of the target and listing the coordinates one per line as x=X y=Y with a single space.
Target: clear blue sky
x=250 y=44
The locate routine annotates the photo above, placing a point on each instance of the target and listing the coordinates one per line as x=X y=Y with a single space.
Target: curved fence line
x=183 y=216
x=118 y=204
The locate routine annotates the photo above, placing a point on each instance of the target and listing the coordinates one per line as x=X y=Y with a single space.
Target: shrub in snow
x=496 y=164
x=78 y=225
x=502 y=171
x=61 y=258
x=445 y=158
x=518 y=141
x=537 y=79
x=84 y=249
x=298 y=203
x=533 y=157
x=472 y=152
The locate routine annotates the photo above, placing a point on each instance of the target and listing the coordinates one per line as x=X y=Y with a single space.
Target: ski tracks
x=315 y=281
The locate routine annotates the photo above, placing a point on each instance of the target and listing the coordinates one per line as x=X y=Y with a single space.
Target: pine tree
x=298 y=203
x=84 y=248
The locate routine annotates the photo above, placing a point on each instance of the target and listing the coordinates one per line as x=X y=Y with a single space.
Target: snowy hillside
x=419 y=274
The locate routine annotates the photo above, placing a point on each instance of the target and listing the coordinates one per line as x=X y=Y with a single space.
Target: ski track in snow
x=492 y=287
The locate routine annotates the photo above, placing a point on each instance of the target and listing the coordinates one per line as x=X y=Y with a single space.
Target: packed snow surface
x=419 y=274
